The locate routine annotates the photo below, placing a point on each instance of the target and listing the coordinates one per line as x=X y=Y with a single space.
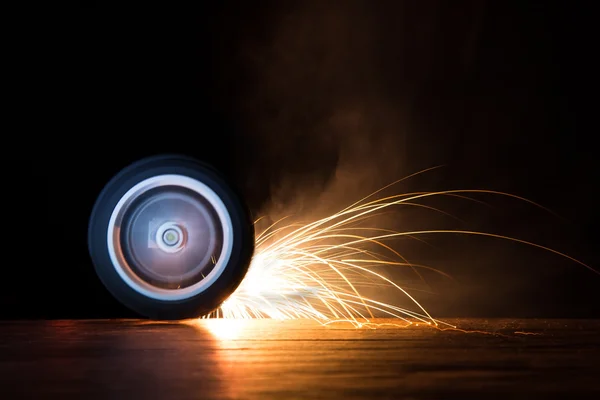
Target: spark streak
x=320 y=270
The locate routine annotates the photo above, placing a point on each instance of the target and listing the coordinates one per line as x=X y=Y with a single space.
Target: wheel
x=169 y=238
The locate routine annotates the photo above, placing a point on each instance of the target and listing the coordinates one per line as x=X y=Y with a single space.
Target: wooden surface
x=130 y=359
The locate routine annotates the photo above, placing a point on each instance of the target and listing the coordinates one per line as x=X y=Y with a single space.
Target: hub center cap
x=170 y=237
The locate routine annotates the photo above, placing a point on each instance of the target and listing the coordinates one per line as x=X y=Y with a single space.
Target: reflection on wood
x=262 y=359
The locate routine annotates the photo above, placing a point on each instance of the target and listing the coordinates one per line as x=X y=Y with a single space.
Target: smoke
x=329 y=105
x=323 y=130
x=340 y=98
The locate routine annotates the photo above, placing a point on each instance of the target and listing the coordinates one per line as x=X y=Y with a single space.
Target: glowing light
x=222 y=329
x=320 y=270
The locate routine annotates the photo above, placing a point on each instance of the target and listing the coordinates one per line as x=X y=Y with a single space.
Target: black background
x=311 y=100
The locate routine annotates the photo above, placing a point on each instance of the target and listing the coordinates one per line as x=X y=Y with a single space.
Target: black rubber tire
x=209 y=299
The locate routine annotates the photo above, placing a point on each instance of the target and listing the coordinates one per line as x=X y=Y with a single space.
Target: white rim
x=116 y=254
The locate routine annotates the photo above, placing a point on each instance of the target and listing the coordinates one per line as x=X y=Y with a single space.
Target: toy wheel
x=169 y=238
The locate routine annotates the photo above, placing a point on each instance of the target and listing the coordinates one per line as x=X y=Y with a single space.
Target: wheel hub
x=170 y=236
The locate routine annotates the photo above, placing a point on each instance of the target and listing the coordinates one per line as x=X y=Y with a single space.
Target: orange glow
x=319 y=270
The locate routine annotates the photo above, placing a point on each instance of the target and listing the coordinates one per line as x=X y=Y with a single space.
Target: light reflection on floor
x=265 y=359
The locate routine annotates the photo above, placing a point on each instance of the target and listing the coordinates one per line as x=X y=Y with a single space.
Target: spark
x=320 y=270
